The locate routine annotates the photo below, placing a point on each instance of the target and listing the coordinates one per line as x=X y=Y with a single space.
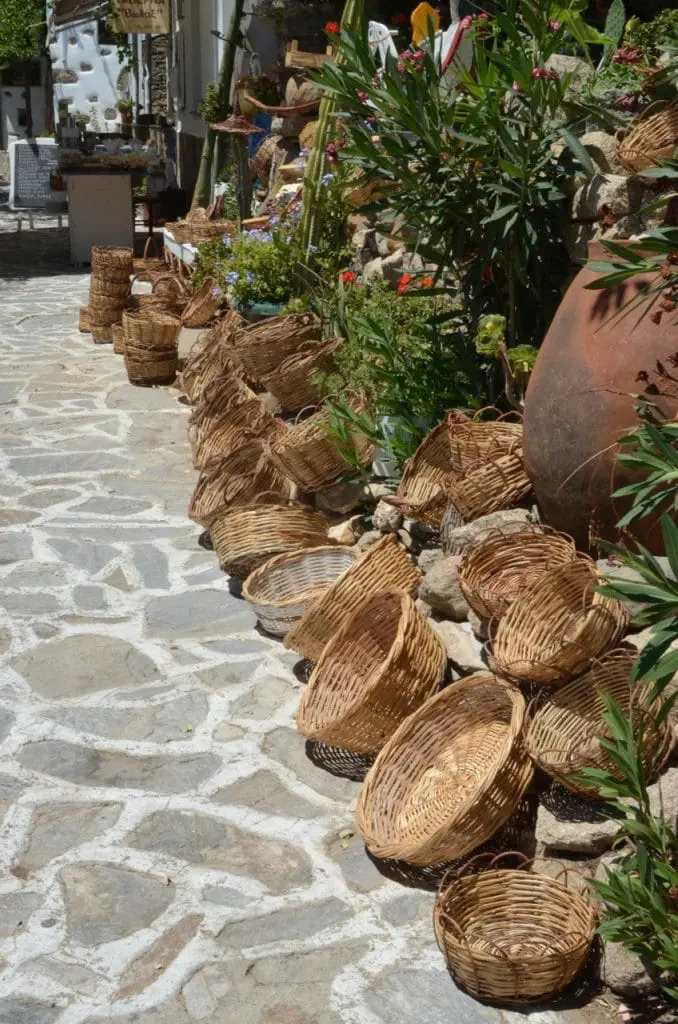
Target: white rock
x=602 y=148
x=463 y=650
x=592 y=838
x=607 y=193
x=346 y=532
x=387 y=518
x=374 y=270
x=455 y=539
x=428 y=557
x=368 y=539
x=626 y=974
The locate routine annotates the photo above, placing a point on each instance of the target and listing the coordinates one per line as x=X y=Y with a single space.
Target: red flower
x=332 y=154
x=427 y=282
x=333 y=28
x=348 y=277
x=399 y=18
x=404 y=282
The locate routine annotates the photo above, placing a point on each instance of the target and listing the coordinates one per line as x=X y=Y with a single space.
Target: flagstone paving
x=170 y=854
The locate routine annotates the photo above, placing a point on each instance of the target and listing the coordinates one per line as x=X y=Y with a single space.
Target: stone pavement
x=171 y=854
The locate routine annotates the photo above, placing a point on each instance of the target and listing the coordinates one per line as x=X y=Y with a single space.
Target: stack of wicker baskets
x=150 y=346
x=108 y=291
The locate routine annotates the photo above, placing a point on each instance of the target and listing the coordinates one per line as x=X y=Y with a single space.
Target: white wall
x=76 y=54
x=14 y=100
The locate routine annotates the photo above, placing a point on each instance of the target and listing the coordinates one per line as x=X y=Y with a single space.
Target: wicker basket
x=557 y=627
x=499 y=567
x=514 y=936
x=246 y=537
x=261 y=348
x=290 y=383
x=202 y=305
x=216 y=403
x=104 y=310
x=260 y=164
x=83 y=320
x=564 y=731
x=384 y=566
x=449 y=777
x=212 y=358
x=151 y=262
x=489 y=486
x=118 y=338
x=283 y=589
x=148 y=366
x=101 y=286
x=237 y=479
x=310 y=456
x=112 y=262
x=169 y=294
x=384 y=662
x=206 y=230
x=244 y=422
x=151 y=329
x=102 y=334
x=180 y=231
x=653 y=139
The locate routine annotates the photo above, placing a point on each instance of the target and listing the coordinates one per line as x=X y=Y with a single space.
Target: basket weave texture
x=202 y=305
x=514 y=936
x=111 y=262
x=564 y=730
x=211 y=357
x=490 y=485
x=557 y=627
x=236 y=479
x=243 y=422
x=151 y=262
x=246 y=537
x=379 y=668
x=290 y=383
x=218 y=399
x=260 y=348
x=151 y=329
x=83 y=320
x=653 y=139
x=500 y=566
x=310 y=456
x=281 y=590
x=147 y=366
x=449 y=777
x=118 y=338
x=384 y=566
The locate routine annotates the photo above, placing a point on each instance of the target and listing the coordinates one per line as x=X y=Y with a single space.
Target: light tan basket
x=112 y=262
x=83 y=320
x=282 y=590
x=211 y=357
x=557 y=627
x=101 y=334
x=260 y=348
x=514 y=936
x=653 y=139
x=564 y=730
x=236 y=479
x=118 y=338
x=147 y=366
x=384 y=566
x=243 y=422
x=449 y=777
x=311 y=457
x=101 y=287
x=217 y=400
x=245 y=537
x=380 y=667
x=490 y=485
x=291 y=383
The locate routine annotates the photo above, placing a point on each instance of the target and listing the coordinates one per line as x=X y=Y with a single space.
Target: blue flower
x=250 y=276
x=327 y=178
x=274 y=220
x=217 y=293
x=233 y=277
x=312 y=248
x=228 y=241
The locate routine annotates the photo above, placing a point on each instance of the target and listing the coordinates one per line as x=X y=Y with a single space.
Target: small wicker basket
x=211 y=358
x=384 y=566
x=490 y=485
x=260 y=348
x=202 y=305
x=380 y=667
x=243 y=422
x=83 y=320
x=236 y=479
x=148 y=366
x=514 y=936
x=112 y=262
x=557 y=627
x=653 y=139
x=102 y=287
x=118 y=338
x=151 y=262
x=449 y=777
x=101 y=334
x=311 y=457
x=282 y=590
x=245 y=537
x=291 y=383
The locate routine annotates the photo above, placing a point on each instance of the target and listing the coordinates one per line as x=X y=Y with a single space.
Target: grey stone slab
x=147 y=968
x=225 y=896
x=37 y=575
x=15 y=517
x=45 y=497
x=81 y=463
x=221 y=676
x=15 y=910
x=90 y=598
x=73 y=976
x=29 y=604
x=425 y=996
x=15 y=547
x=288 y=748
x=152 y=566
x=198 y=613
x=238 y=648
x=104 y=903
x=6 y=721
x=5 y=640
x=131 y=398
x=83 y=664
x=411 y=906
x=11 y=789
x=201 y=839
x=111 y=506
x=91 y=556
x=265 y=696
x=85 y=766
x=8 y=393
x=25 y=1011
x=346 y=848
x=263 y=792
x=161 y=723
x=57 y=827
x=297 y=922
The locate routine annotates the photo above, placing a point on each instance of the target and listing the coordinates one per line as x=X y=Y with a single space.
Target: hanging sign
x=141 y=16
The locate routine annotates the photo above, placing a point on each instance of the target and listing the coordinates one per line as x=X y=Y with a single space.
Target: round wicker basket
x=236 y=479
x=291 y=383
x=260 y=348
x=449 y=777
x=211 y=357
x=490 y=485
x=151 y=329
x=202 y=305
x=557 y=627
x=150 y=366
x=514 y=936
x=379 y=668
x=246 y=537
x=654 y=138
x=311 y=457
x=243 y=422
x=112 y=262
x=281 y=590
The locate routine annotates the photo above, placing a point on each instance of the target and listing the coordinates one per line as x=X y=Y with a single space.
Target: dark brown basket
x=245 y=537
x=111 y=262
x=147 y=366
x=151 y=329
x=202 y=305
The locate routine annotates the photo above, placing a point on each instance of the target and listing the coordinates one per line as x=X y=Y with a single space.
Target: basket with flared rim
x=384 y=662
x=492 y=484
x=290 y=382
x=444 y=455
x=281 y=590
x=151 y=329
x=118 y=338
x=384 y=566
x=202 y=305
x=654 y=138
x=244 y=421
x=499 y=566
x=514 y=935
x=555 y=629
x=150 y=366
x=565 y=730
x=449 y=777
x=111 y=261
x=312 y=457
x=247 y=536
x=260 y=348
x=236 y=479
x=218 y=399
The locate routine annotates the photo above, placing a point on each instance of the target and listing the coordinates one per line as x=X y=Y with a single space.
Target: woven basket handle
x=286 y=500
x=151 y=244
x=307 y=408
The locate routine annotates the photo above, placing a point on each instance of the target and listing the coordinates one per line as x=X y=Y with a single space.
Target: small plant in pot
x=124 y=107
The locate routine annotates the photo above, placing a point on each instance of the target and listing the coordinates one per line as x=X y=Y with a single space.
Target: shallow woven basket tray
x=111 y=261
x=384 y=566
x=202 y=305
x=246 y=537
x=243 y=422
x=310 y=456
x=118 y=338
x=237 y=479
x=653 y=139
x=150 y=366
x=380 y=667
x=151 y=329
x=449 y=777
x=83 y=320
x=557 y=627
x=281 y=590
x=290 y=383
x=564 y=729
x=514 y=936
x=496 y=569
x=490 y=485
x=260 y=348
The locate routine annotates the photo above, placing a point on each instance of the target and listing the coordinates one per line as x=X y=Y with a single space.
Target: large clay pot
x=579 y=402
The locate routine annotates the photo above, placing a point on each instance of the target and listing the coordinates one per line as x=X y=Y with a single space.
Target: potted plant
x=124 y=107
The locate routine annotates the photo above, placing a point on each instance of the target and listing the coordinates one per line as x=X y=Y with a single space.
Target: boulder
x=478 y=625
x=368 y=539
x=626 y=974
x=440 y=588
x=386 y=518
x=427 y=558
x=577 y=69
x=463 y=651
x=602 y=148
x=592 y=838
x=374 y=270
x=455 y=539
x=340 y=497
x=632 y=226
x=375 y=491
x=607 y=193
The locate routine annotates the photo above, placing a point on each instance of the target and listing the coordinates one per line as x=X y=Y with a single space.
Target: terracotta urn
x=579 y=402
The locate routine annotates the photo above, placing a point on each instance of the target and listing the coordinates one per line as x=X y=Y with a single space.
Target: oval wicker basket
x=148 y=366
x=564 y=730
x=260 y=348
x=490 y=485
x=243 y=422
x=384 y=566
x=202 y=305
x=557 y=627
x=291 y=384
x=449 y=777
x=236 y=479
x=281 y=590
x=118 y=338
x=151 y=329
x=83 y=320
x=514 y=936
x=499 y=567
x=245 y=537
x=384 y=662
x=653 y=139
x=311 y=457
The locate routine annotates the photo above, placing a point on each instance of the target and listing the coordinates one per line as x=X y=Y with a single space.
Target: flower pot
x=579 y=401
x=257 y=311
